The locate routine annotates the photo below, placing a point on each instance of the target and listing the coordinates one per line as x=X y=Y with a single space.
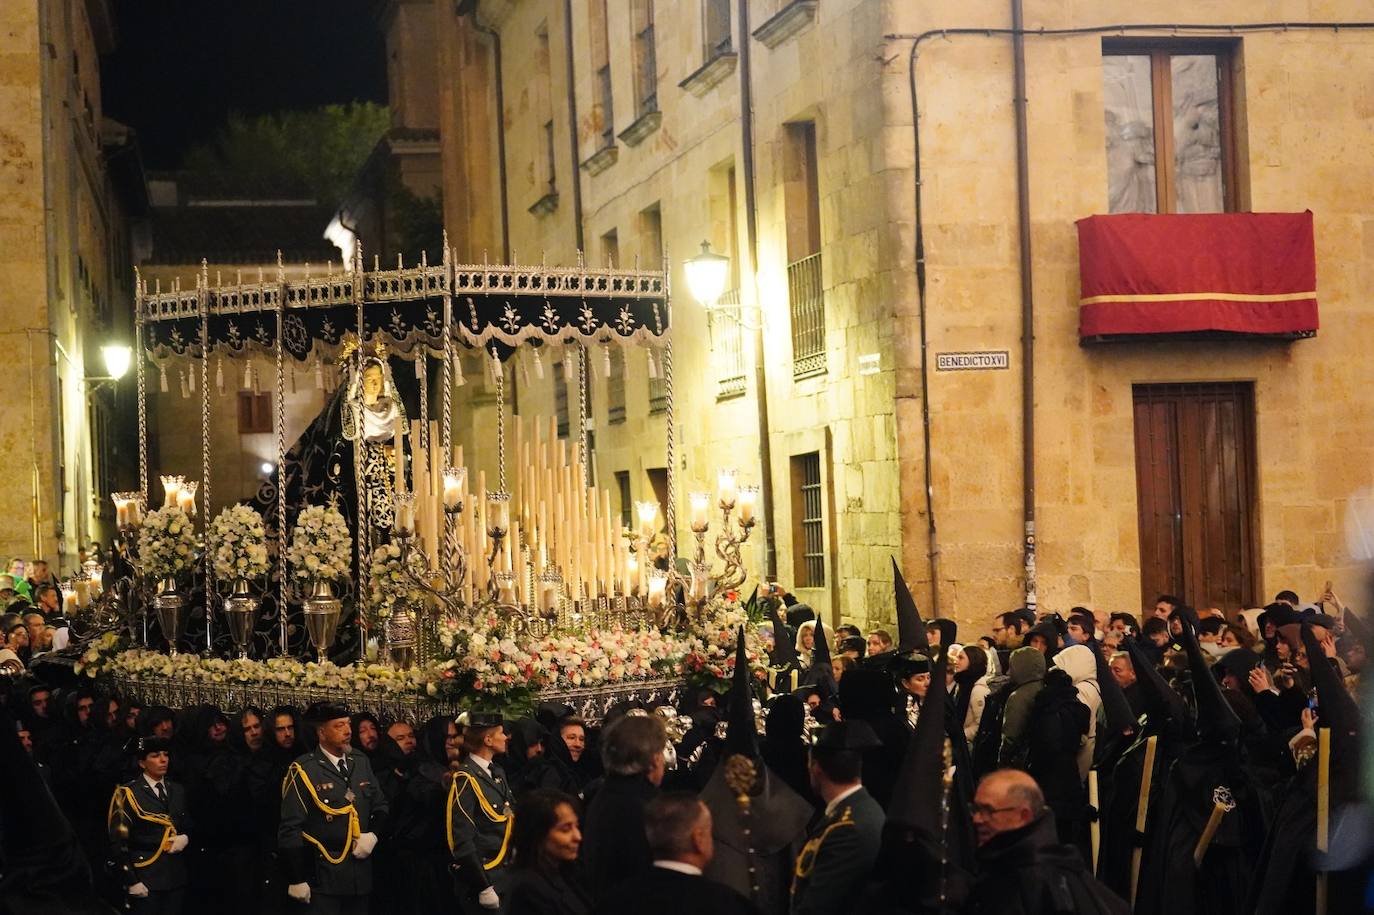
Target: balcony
x=806 y=298
x=727 y=337
x=1213 y=275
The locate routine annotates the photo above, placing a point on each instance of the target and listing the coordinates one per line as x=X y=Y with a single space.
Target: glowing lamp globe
x=707 y=274
x=117 y=359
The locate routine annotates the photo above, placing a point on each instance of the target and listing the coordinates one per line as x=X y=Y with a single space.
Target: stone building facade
x=71 y=190
x=627 y=129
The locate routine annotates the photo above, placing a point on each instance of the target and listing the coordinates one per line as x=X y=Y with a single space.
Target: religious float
x=373 y=567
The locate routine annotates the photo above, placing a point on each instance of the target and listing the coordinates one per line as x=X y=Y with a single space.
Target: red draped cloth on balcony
x=1242 y=273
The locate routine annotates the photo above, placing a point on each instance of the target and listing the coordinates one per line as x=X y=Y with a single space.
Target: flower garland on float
x=502 y=669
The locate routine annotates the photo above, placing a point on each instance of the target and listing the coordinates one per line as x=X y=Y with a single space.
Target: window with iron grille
x=622 y=485
x=727 y=337
x=560 y=397
x=807 y=306
x=808 y=521
x=255 y=413
x=805 y=293
x=646 y=62
x=658 y=393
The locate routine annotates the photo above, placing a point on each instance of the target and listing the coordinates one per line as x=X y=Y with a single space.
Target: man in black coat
x=614 y=847
x=678 y=828
x=149 y=827
x=1022 y=870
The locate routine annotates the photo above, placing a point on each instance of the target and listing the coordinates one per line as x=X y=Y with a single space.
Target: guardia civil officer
x=841 y=849
x=149 y=827
x=480 y=815
x=330 y=808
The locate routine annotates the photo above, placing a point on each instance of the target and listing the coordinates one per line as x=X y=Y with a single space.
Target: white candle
x=186 y=502
x=69 y=602
x=658 y=584
x=121 y=513
x=405 y=513
x=171 y=488
x=700 y=505
x=748 y=502
x=83 y=592
x=136 y=512
x=631 y=572
x=727 y=488
x=648 y=515
x=498 y=509
x=97 y=577
x=455 y=480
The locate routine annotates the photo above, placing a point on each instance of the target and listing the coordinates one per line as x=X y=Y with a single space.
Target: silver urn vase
x=402 y=637
x=168 y=605
x=322 y=610
x=241 y=616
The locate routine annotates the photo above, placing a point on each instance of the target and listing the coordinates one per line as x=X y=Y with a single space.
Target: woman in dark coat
x=548 y=838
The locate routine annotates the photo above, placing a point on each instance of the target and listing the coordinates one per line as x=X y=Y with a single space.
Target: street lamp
x=117 y=359
x=706 y=275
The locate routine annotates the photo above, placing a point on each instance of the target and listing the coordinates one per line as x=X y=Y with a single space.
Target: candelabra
x=737 y=519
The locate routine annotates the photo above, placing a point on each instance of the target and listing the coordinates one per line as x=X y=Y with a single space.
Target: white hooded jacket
x=1078 y=662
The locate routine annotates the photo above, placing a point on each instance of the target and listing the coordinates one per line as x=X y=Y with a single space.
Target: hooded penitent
x=821 y=674
x=1285 y=879
x=44 y=868
x=758 y=822
x=784 y=653
x=911 y=631
x=927 y=843
x=1169 y=881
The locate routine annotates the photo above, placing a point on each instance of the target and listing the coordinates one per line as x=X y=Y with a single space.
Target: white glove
x=299 y=892
x=363 y=845
x=488 y=899
x=179 y=843
x=139 y=889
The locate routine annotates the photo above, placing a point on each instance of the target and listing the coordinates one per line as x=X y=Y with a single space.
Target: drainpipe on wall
x=751 y=222
x=1027 y=295
x=46 y=53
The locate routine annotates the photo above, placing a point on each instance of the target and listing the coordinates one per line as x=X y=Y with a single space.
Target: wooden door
x=1195 y=486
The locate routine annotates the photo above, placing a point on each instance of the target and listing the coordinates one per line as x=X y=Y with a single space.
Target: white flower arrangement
x=141 y=664
x=389 y=583
x=166 y=543
x=240 y=540
x=321 y=545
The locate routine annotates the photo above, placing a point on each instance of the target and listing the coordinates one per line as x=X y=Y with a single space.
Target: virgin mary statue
x=372 y=415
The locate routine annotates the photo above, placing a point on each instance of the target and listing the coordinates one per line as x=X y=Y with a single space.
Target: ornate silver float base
x=590 y=703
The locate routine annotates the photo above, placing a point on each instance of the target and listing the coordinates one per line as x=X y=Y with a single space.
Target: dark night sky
x=182 y=65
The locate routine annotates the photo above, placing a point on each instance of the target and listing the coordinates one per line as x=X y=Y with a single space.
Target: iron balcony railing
x=728 y=335
x=807 y=302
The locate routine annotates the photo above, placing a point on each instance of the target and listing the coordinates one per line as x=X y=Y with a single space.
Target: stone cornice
x=709 y=75
x=646 y=124
x=787 y=22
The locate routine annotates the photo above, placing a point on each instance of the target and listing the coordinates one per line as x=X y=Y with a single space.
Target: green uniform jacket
x=319 y=823
x=140 y=824
x=480 y=818
x=838 y=857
